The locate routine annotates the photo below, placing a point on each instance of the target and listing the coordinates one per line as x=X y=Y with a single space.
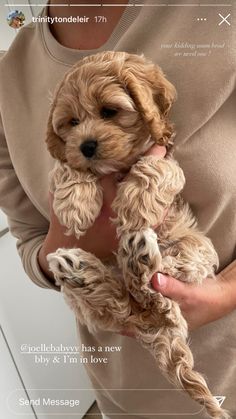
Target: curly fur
x=121 y=101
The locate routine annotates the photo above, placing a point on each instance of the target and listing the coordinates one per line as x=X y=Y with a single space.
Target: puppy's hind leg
x=187 y=254
x=139 y=258
x=94 y=292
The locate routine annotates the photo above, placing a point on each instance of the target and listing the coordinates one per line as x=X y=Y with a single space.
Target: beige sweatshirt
x=130 y=384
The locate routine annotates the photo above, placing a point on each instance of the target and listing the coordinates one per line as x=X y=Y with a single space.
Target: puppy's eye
x=74 y=121
x=108 y=112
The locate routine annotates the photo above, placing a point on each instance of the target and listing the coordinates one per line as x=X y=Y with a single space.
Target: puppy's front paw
x=148 y=190
x=78 y=198
x=139 y=258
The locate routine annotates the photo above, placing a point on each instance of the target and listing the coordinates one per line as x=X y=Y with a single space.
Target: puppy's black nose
x=88 y=148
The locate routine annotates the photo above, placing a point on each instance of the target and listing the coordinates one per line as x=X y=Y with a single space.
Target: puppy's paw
x=66 y=266
x=139 y=258
x=77 y=268
x=191 y=259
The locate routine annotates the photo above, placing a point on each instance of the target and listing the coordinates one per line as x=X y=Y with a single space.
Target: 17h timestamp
x=100 y=19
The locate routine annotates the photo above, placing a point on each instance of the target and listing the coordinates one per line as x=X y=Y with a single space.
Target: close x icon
x=224 y=19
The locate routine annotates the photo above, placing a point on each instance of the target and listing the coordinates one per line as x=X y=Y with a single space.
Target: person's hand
x=200 y=304
x=101 y=238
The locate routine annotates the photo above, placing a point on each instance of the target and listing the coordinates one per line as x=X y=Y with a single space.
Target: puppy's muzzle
x=88 y=148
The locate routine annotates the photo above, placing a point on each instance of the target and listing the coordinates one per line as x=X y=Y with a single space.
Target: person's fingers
x=127 y=333
x=51 y=210
x=156 y=150
x=170 y=287
x=50 y=199
x=109 y=185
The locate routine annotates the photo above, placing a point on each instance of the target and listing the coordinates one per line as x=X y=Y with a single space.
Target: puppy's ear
x=152 y=94
x=55 y=144
x=164 y=92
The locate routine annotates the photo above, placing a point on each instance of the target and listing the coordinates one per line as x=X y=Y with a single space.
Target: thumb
x=169 y=286
x=156 y=150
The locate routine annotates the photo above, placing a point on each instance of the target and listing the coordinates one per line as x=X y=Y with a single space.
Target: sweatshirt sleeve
x=26 y=223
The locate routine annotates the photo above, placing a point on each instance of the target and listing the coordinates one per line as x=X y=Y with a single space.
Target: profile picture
x=15 y=19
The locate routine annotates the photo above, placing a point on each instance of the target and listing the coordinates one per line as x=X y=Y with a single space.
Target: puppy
x=109 y=109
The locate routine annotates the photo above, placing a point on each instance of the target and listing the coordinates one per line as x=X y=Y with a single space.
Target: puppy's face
x=102 y=115
x=98 y=122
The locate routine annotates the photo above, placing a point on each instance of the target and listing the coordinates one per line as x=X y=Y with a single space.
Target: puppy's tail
x=175 y=360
